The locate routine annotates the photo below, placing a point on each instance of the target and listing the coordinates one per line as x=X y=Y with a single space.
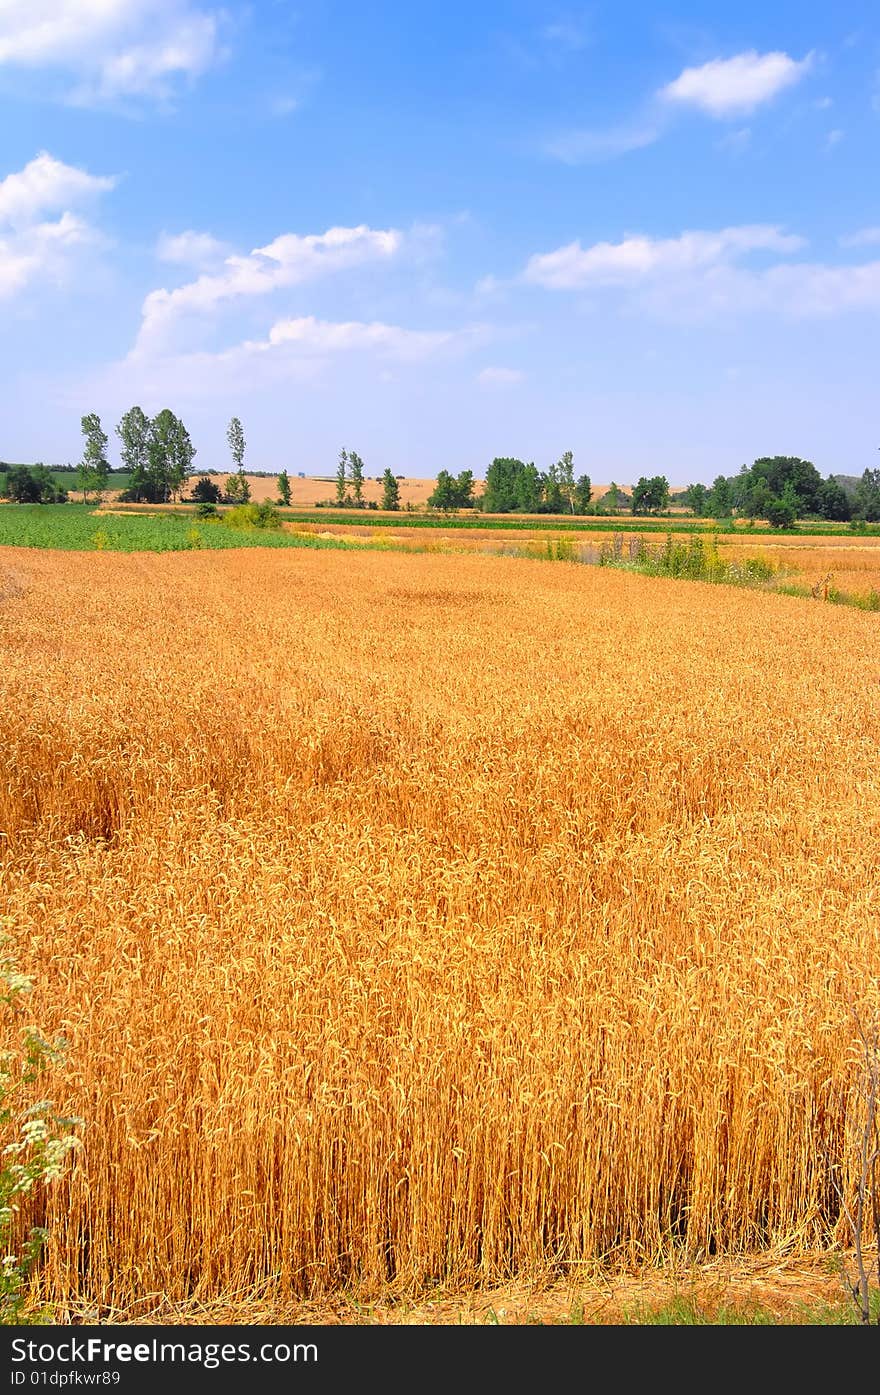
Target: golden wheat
x=421 y=918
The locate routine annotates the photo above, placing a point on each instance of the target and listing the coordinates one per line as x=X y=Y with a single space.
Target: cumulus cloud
x=310 y=336
x=191 y=248
x=700 y=275
x=46 y=185
x=638 y=258
x=33 y=246
x=736 y=86
x=289 y=260
x=111 y=49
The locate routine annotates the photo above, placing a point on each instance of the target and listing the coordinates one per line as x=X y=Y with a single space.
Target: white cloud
x=699 y=276
x=865 y=237
x=732 y=86
x=639 y=258
x=500 y=377
x=46 y=185
x=111 y=48
x=310 y=336
x=586 y=147
x=287 y=261
x=805 y=290
x=295 y=350
x=191 y=249
x=832 y=139
x=32 y=247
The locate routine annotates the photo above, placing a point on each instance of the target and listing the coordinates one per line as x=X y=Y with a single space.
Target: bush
x=205 y=491
x=781 y=513
x=207 y=510
x=263 y=515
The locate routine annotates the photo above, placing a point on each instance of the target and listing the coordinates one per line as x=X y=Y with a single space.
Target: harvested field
x=423 y=920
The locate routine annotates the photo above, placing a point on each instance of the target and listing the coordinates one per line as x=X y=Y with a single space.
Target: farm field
x=421 y=922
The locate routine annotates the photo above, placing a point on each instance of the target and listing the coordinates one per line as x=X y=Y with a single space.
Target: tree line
x=157 y=454
x=783 y=488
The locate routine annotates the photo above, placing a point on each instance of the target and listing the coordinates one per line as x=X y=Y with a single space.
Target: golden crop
x=434 y=918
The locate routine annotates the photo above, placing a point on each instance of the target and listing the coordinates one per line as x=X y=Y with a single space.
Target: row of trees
x=782 y=488
x=512 y=486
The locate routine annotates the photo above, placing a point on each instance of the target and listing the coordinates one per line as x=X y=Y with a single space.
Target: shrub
x=263 y=515
x=205 y=491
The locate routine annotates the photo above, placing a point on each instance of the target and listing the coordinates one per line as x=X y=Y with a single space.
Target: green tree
x=866 y=504
x=583 y=494
x=94 y=468
x=780 y=471
x=781 y=513
x=554 y=499
x=235 y=437
x=237 y=489
x=695 y=499
x=651 y=495
x=357 y=477
x=205 y=491
x=832 y=501
x=284 y=489
x=390 y=492
x=170 y=454
x=33 y=484
x=443 y=496
x=565 y=475
x=612 y=498
x=341 y=478
x=134 y=433
x=719 y=504
x=453 y=491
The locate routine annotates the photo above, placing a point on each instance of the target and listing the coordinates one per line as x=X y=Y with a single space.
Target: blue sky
x=648 y=233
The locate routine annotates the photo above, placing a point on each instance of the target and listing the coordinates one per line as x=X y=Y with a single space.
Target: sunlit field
x=422 y=920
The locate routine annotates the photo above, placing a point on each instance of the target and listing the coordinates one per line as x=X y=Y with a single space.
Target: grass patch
x=77 y=528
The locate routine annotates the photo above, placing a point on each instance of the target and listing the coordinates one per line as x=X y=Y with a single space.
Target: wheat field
x=434 y=919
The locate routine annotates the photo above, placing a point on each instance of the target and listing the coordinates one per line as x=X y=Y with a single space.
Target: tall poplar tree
x=94 y=468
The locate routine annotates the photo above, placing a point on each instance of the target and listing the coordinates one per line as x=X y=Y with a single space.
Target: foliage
x=695 y=497
x=134 y=432
x=356 y=466
x=235 y=437
x=866 y=505
x=37 y=1141
x=263 y=515
x=512 y=486
x=237 y=489
x=390 y=492
x=205 y=491
x=650 y=495
x=698 y=559
x=284 y=489
x=453 y=491
x=342 y=478
x=94 y=468
x=780 y=513
x=33 y=484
